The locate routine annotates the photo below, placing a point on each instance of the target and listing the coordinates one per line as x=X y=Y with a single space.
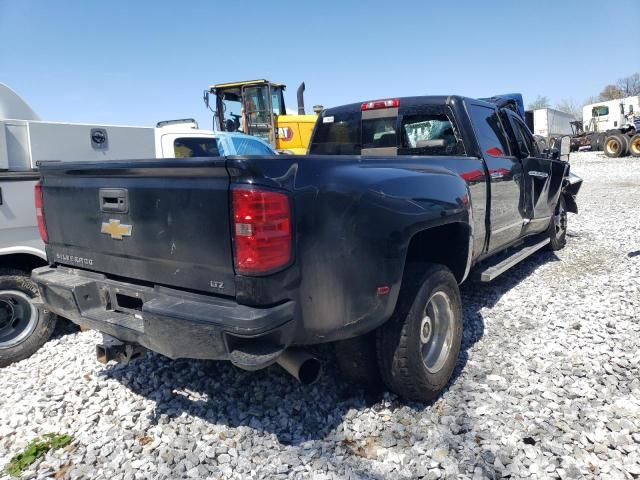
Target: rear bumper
x=171 y=322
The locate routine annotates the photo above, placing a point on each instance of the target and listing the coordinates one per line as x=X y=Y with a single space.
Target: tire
x=557 y=230
x=428 y=315
x=626 y=143
x=23 y=327
x=634 y=145
x=357 y=360
x=615 y=146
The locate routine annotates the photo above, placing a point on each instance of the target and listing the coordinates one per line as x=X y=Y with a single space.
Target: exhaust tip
x=310 y=371
x=304 y=367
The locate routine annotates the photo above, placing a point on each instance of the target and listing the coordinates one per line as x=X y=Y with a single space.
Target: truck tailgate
x=164 y=221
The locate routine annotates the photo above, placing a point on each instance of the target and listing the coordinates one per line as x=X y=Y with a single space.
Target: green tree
x=541 y=101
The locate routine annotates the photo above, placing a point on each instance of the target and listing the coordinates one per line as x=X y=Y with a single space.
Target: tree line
x=624 y=87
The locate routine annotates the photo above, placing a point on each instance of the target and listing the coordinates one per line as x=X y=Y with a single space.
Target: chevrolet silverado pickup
x=362 y=242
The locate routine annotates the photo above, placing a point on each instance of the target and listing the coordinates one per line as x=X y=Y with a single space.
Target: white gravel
x=548 y=385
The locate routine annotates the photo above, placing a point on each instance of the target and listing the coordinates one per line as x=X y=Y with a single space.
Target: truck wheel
x=634 y=145
x=626 y=144
x=418 y=347
x=357 y=360
x=558 y=227
x=23 y=327
x=614 y=146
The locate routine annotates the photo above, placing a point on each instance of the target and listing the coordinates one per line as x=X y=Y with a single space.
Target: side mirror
x=205 y=98
x=565 y=147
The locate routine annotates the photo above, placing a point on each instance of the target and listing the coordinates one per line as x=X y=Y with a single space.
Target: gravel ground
x=548 y=385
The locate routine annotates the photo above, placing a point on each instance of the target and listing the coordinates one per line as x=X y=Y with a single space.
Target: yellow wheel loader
x=256 y=107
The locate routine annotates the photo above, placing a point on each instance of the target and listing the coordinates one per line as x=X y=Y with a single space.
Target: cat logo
x=285 y=133
x=116 y=230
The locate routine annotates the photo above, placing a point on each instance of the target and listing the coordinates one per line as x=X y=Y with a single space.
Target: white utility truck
x=26 y=140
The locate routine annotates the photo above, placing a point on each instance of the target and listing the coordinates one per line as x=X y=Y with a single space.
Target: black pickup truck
x=362 y=242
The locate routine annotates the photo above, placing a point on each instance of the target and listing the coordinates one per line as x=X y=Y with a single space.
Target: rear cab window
x=337 y=133
x=410 y=129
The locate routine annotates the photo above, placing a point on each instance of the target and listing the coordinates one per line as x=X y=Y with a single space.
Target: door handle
x=114 y=200
x=535 y=173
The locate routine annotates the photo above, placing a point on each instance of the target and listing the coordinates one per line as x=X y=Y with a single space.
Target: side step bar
x=493 y=271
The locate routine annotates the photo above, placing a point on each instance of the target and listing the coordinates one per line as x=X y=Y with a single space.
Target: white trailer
x=550 y=123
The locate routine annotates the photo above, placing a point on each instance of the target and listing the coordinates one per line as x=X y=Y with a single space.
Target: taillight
x=376 y=104
x=41 y=226
x=261 y=230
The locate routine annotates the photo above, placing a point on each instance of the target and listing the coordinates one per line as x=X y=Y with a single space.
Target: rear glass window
x=429 y=135
x=427 y=130
x=195 y=147
x=337 y=134
x=379 y=132
x=489 y=131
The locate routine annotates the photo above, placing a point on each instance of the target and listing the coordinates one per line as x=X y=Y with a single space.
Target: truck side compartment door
x=506 y=216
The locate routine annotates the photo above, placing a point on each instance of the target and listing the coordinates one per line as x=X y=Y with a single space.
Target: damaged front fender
x=570 y=188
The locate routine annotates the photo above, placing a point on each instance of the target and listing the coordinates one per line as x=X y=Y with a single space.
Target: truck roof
x=413 y=100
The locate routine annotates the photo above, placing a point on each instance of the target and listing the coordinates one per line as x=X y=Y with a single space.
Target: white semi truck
x=612 y=126
x=26 y=140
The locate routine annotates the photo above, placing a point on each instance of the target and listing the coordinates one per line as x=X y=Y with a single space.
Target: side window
x=432 y=134
x=249 y=146
x=195 y=147
x=491 y=136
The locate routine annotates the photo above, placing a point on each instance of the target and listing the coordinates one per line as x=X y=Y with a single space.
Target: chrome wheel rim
x=560 y=220
x=436 y=331
x=18 y=317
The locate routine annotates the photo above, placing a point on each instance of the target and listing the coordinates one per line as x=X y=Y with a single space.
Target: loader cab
x=250 y=107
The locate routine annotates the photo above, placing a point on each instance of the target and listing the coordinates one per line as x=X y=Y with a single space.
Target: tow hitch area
x=114 y=349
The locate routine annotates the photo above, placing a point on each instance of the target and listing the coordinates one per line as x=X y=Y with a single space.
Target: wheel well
x=21 y=261
x=446 y=245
